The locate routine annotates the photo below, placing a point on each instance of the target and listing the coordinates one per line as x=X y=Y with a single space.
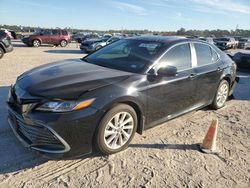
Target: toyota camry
x=99 y=102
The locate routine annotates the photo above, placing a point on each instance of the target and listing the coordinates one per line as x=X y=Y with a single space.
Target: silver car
x=95 y=44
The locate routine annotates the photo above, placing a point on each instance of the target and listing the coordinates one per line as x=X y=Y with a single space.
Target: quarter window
x=215 y=56
x=203 y=53
x=179 y=57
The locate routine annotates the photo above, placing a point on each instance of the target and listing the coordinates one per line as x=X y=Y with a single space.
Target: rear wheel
x=36 y=43
x=221 y=95
x=63 y=43
x=1 y=52
x=116 y=129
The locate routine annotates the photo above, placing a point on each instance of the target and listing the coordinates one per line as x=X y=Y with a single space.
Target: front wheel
x=36 y=43
x=1 y=52
x=63 y=43
x=116 y=130
x=221 y=95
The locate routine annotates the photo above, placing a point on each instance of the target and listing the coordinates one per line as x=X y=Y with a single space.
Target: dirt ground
x=165 y=156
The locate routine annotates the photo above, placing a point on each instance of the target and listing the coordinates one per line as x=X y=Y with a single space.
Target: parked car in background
x=81 y=38
x=225 y=43
x=244 y=43
x=5 y=43
x=242 y=59
x=13 y=34
x=128 y=86
x=209 y=40
x=48 y=36
x=93 y=45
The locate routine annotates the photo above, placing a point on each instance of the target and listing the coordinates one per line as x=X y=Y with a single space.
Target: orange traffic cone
x=209 y=142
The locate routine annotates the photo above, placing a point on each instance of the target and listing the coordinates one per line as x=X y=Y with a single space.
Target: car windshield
x=203 y=39
x=127 y=55
x=243 y=40
x=223 y=39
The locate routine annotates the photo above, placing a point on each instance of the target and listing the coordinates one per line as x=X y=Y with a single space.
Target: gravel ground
x=165 y=156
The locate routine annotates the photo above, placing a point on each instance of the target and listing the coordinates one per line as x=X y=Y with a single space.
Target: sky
x=155 y=15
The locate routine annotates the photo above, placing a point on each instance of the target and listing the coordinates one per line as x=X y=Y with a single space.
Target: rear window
x=243 y=40
x=223 y=39
x=64 y=32
x=2 y=33
x=204 y=54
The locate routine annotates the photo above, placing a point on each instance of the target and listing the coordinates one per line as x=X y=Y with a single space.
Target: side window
x=2 y=33
x=64 y=32
x=203 y=53
x=46 y=32
x=179 y=56
x=55 y=32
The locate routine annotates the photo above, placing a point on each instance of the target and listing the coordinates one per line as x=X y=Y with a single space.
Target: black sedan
x=69 y=108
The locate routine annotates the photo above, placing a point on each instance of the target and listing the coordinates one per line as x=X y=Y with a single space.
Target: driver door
x=169 y=97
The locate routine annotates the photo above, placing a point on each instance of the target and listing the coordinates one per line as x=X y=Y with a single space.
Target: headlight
x=93 y=45
x=64 y=106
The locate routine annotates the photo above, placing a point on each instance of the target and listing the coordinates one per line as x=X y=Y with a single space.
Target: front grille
x=37 y=135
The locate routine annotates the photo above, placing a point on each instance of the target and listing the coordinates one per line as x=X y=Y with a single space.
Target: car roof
x=165 y=39
x=158 y=38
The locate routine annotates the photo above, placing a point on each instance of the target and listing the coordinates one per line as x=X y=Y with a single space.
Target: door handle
x=192 y=76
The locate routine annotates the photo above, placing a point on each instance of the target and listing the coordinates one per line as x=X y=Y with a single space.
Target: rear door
x=55 y=37
x=207 y=72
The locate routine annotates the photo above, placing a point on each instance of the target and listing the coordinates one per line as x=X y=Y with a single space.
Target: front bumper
x=56 y=134
x=26 y=41
x=86 y=48
x=37 y=136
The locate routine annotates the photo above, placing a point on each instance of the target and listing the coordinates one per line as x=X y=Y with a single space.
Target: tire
x=63 y=43
x=98 y=47
x=36 y=43
x=116 y=140
x=221 y=95
x=1 y=53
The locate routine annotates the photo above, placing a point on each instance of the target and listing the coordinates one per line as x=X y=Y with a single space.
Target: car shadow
x=242 y=89
x=64 y=51
x=168 y=146
x=19 y=45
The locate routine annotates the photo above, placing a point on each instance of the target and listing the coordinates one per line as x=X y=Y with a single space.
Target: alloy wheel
x=36 y=43
x=118 y=130
x=222 y=95
x=63 y=43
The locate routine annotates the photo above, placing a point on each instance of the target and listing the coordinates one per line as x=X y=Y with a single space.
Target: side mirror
x=168 y=71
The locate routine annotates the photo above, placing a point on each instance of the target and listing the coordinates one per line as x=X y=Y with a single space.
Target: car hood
x=67 y=79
